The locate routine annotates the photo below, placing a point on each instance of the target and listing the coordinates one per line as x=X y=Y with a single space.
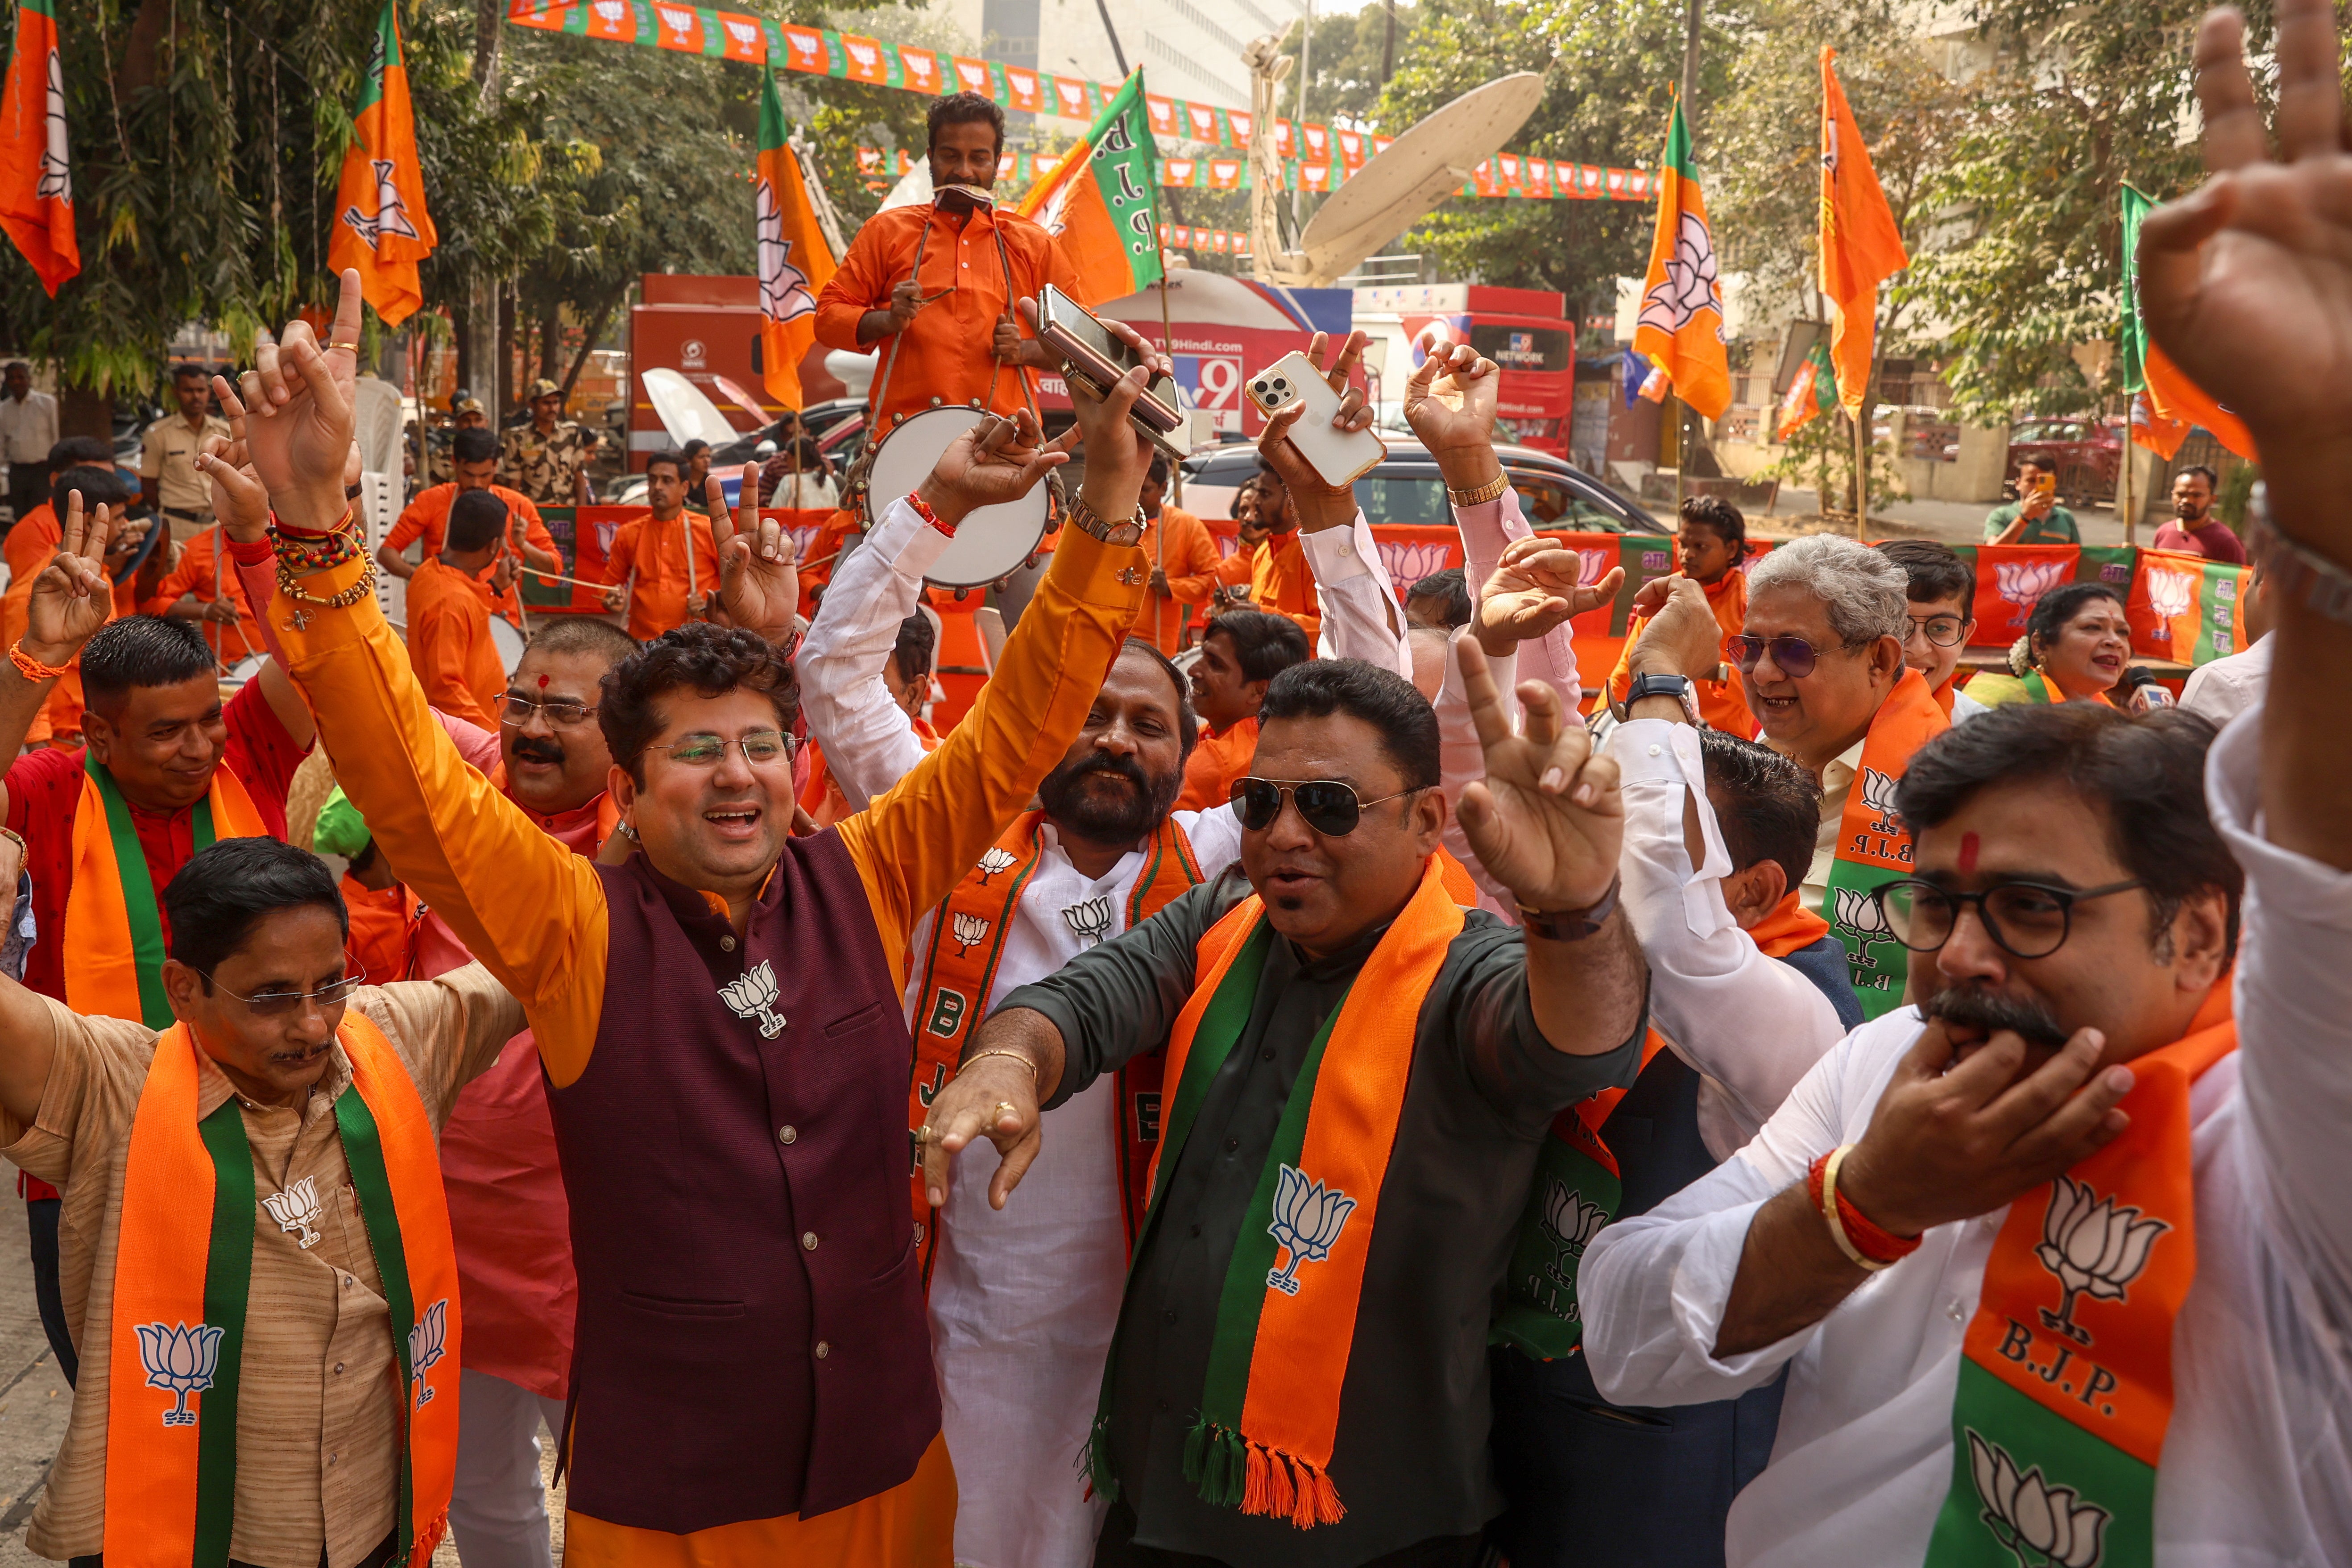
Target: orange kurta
x=384 y=921
x=1282 y=583
x=427 y=518
x=944 y=355
x=32 y=543
x=199 y=573
x=1722 y=703
x=1181 y=545
x=1216 y=761
x=536 y=914
x=668 y=582
x=449 y=645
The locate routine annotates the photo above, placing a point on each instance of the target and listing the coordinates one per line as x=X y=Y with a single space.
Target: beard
x=1123 y=815
x=1975 y=1007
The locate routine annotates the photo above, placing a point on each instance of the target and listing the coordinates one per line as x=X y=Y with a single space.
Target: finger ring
x=354 y=347
x=1005 y=1108
x=922 y=1135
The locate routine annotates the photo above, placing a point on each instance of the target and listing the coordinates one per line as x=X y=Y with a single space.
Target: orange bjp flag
x=380 y=226
x=1681 y=324
x=796 y=260
x=36 y=177
x=1861 y=247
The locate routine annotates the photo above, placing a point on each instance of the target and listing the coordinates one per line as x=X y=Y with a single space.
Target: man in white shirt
x=1023 y=1301
x=29 y=428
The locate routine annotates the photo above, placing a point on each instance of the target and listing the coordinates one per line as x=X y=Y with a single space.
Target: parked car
x=1406 y=488
x=2088 y=452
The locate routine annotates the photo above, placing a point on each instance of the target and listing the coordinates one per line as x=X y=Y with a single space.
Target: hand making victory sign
x=759 y=587
x=72 y=598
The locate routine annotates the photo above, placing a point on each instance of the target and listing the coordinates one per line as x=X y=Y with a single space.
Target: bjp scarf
x=959 y=967
x=2065 y=1387
x=1270 y=1406
x=114 y=932
x=2042 y=689
x=1873 y=849
x=183 y=1269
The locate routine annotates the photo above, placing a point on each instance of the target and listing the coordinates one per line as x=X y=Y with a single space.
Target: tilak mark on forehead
x=1968 y=849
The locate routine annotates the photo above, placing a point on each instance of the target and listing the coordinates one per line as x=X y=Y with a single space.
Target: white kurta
x=2257 y=1466
x=1023 y=1301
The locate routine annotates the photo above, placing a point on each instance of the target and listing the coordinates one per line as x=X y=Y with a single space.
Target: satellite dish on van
x=683 y=411
x=913 y=189
x=1403 y=184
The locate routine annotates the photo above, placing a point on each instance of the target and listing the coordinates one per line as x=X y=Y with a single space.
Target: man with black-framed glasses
x=254 y=1230
x=1942 y=595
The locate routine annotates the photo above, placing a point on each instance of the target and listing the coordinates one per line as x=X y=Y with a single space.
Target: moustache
x=1127 y=768
x=536 y=751
x=1972 y=1006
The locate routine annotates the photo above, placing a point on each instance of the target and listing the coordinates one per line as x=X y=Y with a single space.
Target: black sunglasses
x=1329 y=807
x=2026 y=920
x=1794 y=656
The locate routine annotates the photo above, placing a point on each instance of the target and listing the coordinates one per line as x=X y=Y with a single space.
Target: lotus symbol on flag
x=391 y=216
x=992 y=862
x=1571 y=1220
x=968 y=931
x=56 y=173
x=180 y=1360
x=678 y=21
x=743 y=32
x=864 y=54
x=2169 y=593
x=1878 y=795
x=752 y=994
x=2042 y=1526
x=427 y=1343
x=1591 y=566
x=1690 y=285
x=2094 y=1247
x=1408 y=563
x=1089 y=921
x=1860 y=912
x=783 y=287
x=611 y=11
x=2025 y=582
x=1307 y=1219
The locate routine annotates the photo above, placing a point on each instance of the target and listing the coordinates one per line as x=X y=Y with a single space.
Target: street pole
x=1690 y=61
x=1306 y=65
x=1682 y=453
x=2124 y=477
x=1861 y=464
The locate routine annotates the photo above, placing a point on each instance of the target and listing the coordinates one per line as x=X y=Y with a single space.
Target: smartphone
x=2043 y=484
x=1092 y=356
x=1337 y=457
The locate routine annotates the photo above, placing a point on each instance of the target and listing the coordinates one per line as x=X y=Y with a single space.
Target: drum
x=991 y=542
x=508 y=642
x=243 y=670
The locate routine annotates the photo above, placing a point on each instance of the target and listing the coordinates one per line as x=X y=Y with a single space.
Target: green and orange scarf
x=959 y=970
x=183 y=1271
x=1285 y=1324
x=2065 y=1386
x=1874 y=848
x=114 y=932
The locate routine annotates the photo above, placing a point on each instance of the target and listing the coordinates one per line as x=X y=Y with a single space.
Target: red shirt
x=2214 y=541
x=45 y=792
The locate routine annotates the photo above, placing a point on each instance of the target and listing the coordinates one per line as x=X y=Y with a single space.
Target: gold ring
x=354 y=347
x=922 y=1135
x=1005 y=1108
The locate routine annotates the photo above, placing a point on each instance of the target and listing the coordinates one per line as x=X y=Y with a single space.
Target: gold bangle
x=13 y=836
x=1830 y=1213
x=1015 y=1056
x=1490 y=490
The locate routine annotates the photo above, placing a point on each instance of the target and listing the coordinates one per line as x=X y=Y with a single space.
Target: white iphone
x=1337 y=457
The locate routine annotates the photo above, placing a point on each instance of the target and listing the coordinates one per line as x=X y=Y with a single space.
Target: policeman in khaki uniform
x=168 y=480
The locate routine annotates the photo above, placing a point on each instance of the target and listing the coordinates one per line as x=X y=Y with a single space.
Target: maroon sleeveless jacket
x=751 y=1339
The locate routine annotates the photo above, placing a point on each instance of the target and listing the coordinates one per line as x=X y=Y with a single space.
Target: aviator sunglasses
x=1792 y=656
x=1326 y=805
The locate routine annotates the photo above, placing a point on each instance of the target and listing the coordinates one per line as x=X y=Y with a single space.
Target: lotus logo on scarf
x=2094 y=1247
x=992 y=862
x=1860 y=912
x=1088 y=921
x=752 y=994
x=2041 y=1525
x=1878 y=794
x=968 y=931
x=180 y=1360
x=1307 y=1219
x=2170 y=593
x=2023 y=583
x=295 y=1208
x=427 y=1343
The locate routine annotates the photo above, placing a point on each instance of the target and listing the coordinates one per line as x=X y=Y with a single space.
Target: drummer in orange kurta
x=948 y=336
x=449 y=644
x=664 y=567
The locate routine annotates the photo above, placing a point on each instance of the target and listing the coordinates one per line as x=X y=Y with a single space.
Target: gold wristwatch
x=1082 y=516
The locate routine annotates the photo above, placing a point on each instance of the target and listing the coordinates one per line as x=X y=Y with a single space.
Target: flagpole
x=1860 y=469
x=2123 y=477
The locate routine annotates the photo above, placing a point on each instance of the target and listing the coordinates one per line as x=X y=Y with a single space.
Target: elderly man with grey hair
x=1822 y=654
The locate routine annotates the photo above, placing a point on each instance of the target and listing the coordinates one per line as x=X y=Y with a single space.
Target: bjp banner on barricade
x=2010 y=579
x=2187 y=609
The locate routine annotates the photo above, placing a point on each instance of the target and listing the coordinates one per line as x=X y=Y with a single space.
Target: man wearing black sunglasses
x=1341 y=989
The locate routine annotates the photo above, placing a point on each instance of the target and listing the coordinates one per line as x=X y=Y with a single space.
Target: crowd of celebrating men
x=1333 y=1106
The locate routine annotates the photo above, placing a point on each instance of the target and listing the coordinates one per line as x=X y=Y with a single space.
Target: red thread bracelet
x=1866 y=1243
x=928 y=515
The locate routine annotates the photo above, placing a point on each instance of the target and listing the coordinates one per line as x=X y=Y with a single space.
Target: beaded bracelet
x=928 y=515
x=316 y=551
x=344 y=600
x=32 y=668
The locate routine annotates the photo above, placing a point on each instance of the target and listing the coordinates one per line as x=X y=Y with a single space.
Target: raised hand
x=996 y=460
x=1683 y=637
x=72 y=597
x=1533 y=590
x=239 y=501
x=1450 y=401
x=1548 y=821
x=2247 y=282
x=759 y=589
x=1117 y=454
x=1320 y=505
x=298 y=418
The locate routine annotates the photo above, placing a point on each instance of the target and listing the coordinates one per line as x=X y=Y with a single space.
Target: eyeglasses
x=1941 y=630
x=278 y=1004
x=1326 y=805
x=2026 y=920
x=759 y=748
x=562 y=714
x=1793 y=656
